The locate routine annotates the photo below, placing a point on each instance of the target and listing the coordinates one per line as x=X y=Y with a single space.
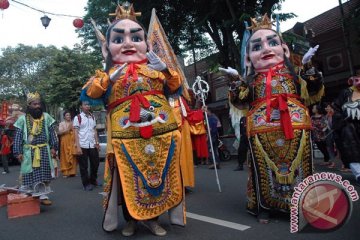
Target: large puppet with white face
x=346 y=125
x=278 y=122
x=143 y=137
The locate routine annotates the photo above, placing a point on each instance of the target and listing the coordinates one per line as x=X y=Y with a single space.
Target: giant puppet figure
x=142 y=170
x=346 y=125
x=278 y=122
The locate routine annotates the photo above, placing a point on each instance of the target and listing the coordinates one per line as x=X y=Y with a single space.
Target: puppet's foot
x=154 y=227
x=264 y=217
x=129 y=229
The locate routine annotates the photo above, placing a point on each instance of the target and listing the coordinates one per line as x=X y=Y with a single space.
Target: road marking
x=217 y=221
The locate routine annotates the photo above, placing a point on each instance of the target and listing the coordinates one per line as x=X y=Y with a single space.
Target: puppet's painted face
x=356 y=82
x=127 y=42
x=266 y=50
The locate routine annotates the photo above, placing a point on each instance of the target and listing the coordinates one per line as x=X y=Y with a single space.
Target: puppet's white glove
x=311 y=52
x=155 y=62
x=231 y=71
x=117 y=73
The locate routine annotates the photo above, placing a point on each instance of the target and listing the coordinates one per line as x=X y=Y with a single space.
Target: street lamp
x=45 y=20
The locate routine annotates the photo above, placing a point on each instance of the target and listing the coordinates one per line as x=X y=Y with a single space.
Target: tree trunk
x=211 y=28
x=239 y=30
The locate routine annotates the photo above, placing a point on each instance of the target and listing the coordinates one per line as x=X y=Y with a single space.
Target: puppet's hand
x=117 y=73
x=231 y=71
x=155 y=62
x=311 y=52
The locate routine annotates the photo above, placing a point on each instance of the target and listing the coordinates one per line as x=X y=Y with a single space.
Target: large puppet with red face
x=278 y=122
x=143 y=137
x=346 y=125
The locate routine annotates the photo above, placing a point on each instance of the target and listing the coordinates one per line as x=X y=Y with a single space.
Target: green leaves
x=193 y=27
x=57 y=74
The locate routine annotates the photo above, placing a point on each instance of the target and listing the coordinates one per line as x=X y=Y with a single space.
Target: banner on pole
x=161 y=46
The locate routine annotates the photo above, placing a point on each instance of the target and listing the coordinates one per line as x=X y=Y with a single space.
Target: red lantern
x=4 y=4
x=78 y=23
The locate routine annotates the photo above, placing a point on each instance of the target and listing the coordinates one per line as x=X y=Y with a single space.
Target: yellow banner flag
x=161 y=46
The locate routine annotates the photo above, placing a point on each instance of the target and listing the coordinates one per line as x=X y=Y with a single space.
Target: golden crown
x=125 y=11
x=32 y=97
x=263 y=23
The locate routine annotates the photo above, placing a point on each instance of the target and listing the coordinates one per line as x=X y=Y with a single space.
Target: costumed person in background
x=35 y=144
x=181 y=111
x=278 y=123
x=198 y=133
x=346 y=125
x=68 y=160
x=142 y=169
x=15 y=113
x=238 y=91
x=178 y=100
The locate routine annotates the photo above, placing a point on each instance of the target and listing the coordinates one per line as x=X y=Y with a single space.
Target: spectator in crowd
x=5 y=151
x=68 y=161
x=319 y=132
x=243 y=146
x=214 y=134
x=330 y=143
x=87 y=146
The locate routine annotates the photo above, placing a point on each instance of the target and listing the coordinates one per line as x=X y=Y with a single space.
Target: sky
x=19 y=24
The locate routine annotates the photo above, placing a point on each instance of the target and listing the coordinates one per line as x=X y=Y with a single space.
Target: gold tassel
x=305 y=94
x=280 y=178
x=243 y=93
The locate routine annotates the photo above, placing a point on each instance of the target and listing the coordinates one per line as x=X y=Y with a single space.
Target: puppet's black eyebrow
x=134 y=30
x=256 y=40
x=119 y=30
x=271 y=37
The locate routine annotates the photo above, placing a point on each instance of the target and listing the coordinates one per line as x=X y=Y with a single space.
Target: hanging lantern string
x=45 y=12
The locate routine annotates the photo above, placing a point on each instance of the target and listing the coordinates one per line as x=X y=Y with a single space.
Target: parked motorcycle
x=224 y=153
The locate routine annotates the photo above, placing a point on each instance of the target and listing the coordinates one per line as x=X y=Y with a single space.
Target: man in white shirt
x=87 y=146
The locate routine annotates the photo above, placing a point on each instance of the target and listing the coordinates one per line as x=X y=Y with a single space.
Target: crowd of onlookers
x=77 y=143
x=324 y=136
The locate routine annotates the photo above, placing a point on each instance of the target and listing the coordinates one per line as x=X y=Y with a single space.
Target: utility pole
x=346 y=37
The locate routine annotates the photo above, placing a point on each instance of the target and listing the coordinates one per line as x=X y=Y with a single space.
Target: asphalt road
x=76 y=214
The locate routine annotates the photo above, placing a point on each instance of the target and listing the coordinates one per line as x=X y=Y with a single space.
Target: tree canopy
x=57 y=74
x=200 y=26
x=205 y=25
